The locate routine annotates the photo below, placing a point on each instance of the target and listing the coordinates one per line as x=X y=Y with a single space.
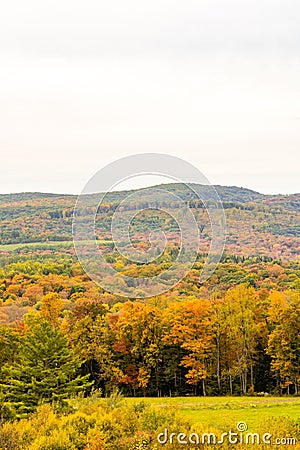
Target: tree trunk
x=251 y=369
x=245 y=381
x=218 y=364
x=230 y=384
x=204 y=387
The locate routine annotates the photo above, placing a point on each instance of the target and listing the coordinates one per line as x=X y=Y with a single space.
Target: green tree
x=8 y=345
x=46 y=371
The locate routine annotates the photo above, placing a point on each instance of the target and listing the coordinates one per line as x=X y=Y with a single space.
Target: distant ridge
x=243 y=194
x=24 y=196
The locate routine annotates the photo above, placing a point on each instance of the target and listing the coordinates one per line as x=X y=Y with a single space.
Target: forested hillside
x=238 y=333
x=256 y=224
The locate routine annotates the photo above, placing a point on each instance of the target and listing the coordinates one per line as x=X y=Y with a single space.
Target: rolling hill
x=257 y=224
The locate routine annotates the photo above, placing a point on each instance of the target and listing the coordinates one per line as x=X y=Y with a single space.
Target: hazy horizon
x=145 y=186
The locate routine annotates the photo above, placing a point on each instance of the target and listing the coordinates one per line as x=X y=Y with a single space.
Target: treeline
x=240 y=342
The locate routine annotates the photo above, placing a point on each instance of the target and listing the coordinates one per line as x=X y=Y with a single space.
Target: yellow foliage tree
x=51 y=308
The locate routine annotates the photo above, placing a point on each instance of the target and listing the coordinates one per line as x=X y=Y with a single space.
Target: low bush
x=103 y=425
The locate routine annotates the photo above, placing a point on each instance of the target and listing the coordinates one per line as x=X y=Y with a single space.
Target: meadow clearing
x=212 y=411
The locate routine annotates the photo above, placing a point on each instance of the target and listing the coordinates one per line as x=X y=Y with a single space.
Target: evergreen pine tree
x=46 y=371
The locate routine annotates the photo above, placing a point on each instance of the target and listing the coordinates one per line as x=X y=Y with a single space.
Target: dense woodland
x=256 y=224
x=61 y=334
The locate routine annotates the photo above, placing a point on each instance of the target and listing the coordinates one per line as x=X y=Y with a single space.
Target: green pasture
x=214 y=411
x=45 y=245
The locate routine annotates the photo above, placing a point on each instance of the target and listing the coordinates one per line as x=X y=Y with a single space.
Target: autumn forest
x=61 y=334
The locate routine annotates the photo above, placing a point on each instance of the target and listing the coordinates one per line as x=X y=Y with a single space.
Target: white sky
x=216 y=82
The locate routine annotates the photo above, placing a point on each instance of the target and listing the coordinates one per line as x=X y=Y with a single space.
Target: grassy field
x=230 y=410
x=33 y=245
x=44 y=245
x=113 y=423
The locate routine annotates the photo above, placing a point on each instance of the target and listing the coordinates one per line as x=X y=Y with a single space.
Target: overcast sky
x=216 y=82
